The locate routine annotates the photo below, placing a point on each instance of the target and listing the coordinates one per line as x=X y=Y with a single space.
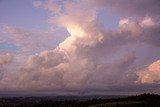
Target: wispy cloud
x=27 y=41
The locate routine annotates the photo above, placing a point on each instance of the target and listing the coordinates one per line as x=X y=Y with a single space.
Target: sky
x=79 y=46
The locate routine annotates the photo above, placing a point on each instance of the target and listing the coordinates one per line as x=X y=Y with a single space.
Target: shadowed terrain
x=143 y=100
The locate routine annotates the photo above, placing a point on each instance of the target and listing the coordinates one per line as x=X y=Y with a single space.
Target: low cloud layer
x=92 y=57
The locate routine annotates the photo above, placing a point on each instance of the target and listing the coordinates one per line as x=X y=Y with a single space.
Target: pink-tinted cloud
x=151 y=74
x=91 y=57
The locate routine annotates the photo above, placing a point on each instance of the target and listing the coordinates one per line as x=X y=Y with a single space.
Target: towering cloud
x=93 y=58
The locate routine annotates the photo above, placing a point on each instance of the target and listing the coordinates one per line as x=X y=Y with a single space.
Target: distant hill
x=142 y=100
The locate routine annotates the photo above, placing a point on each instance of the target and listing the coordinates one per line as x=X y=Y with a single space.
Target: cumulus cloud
x=91 y=57
x=151 y=74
